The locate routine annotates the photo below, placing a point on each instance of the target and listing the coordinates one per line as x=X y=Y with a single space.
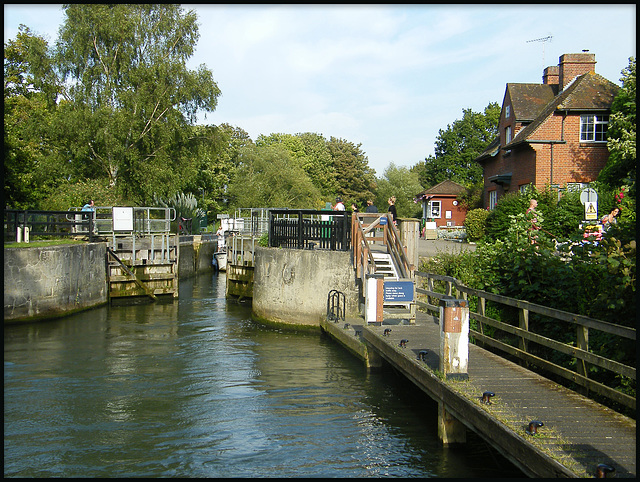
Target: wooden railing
x=364 y=227
x=520 y=328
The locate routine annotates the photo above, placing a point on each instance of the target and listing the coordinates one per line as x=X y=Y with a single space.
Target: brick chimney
x=550 y=75
x=573 y=65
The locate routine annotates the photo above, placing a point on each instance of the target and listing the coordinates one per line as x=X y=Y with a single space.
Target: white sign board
x=122 y=219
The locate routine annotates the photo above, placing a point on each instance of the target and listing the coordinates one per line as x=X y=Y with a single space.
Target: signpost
x=589 y=198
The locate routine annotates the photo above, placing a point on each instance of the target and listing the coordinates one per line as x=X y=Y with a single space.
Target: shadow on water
x=195 y=388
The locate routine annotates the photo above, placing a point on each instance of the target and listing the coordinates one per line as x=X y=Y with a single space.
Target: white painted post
x=374 y=298
x=26 y=234
x=454 y=338
x=454 y=360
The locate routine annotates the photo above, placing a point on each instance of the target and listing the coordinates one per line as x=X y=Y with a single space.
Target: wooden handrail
x=580 y=351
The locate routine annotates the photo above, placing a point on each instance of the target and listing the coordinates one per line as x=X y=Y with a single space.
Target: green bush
x=475 y=223
x=186 y=206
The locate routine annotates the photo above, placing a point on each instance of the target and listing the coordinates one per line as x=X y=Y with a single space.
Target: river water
x=195 y=388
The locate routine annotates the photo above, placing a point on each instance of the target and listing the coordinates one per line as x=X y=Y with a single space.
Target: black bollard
x=486 y=397
x=604 y=471
x=532 y=429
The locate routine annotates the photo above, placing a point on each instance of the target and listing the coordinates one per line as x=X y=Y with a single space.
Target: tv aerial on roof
x=543 y=40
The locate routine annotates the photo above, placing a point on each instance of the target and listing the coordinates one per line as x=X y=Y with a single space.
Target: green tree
x=354 y=178
x=621 y=134
x=402 y=183
x=215 y=151
x=268 y=178
x=458 y=146
x=129 y=94
x=32 y=166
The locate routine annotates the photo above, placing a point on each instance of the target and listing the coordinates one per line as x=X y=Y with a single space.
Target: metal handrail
x=147 y=220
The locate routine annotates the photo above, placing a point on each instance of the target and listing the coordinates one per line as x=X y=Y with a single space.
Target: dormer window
x=593 y=128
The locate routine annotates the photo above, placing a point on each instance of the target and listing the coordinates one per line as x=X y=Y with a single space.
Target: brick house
x=551 y=133
x=439 y=204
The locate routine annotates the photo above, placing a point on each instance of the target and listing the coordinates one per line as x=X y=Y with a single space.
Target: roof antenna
x=543 y=40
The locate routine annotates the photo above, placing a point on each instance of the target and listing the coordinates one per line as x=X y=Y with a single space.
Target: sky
x=388 y=77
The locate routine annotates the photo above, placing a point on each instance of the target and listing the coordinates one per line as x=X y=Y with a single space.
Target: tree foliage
x=402 y=183
x=355 y=180
x=458 y=146
x=621 y=166
x=32 y=164
x=267 y=177
x=128 y=92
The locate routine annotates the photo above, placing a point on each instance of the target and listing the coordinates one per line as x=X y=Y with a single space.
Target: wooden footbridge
x=545 y=429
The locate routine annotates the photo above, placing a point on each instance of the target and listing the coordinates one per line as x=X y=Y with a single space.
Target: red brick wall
x=572 y=162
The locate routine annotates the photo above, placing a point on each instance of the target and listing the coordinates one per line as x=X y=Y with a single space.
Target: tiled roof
x=528 y=100
x=445 y=187
x=587 y=92
x=490 y=151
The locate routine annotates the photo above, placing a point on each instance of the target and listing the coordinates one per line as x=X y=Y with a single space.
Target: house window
x=507 y=135
x=433 y=209
x=493 y=199
x=593 y=128
x=507 y=111
x=576 y=186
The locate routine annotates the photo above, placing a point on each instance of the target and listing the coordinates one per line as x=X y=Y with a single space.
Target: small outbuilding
x=439 y=204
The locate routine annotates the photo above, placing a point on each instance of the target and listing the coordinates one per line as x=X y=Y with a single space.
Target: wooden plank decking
x=577 y=435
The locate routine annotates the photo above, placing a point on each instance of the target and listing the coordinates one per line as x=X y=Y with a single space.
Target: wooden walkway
x=578 y=434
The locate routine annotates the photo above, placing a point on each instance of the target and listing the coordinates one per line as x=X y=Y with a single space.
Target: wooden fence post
x=524 y=325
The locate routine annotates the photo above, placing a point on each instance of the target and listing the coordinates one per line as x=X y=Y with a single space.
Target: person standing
x=371 y=208
x=339 y=205
x=609 y=219
x=392 y=210
x=354 y=208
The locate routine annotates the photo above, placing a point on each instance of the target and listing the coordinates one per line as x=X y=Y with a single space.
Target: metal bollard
x=454 y=338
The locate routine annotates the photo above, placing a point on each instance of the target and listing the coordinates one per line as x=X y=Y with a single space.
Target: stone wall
x=48 y=282
x=291 y=285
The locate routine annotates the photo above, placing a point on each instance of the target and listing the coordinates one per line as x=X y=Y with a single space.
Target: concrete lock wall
x=195 y=257
x=291 y=285
x=53 y=281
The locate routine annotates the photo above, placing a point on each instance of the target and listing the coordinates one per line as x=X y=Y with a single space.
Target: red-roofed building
x=551 y=133
x=439 y=204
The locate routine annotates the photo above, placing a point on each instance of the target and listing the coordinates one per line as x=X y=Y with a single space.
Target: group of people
x=371 y=208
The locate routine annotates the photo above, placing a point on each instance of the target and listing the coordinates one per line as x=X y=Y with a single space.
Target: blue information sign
x=398 y=291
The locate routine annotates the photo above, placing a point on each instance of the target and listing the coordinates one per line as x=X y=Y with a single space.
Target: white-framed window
x=593 y=128
x=576 y=186
x=507 y=135
x=523 y=187
x=433 y=209
x=507 y=111
x=493 y=199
